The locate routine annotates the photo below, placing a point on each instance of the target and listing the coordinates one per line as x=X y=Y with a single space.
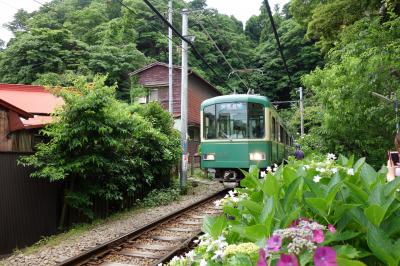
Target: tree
x=365 y=60
x=20 y=21
x=40 y=51
x=103 y=148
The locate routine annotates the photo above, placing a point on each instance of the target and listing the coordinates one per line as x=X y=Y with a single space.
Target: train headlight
x=209 y=157
x=257 y=156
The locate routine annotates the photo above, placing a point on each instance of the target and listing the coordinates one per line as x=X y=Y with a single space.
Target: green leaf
x=375 y=214
x=340 y=236
x=347 y=251
x=253 y=207
x=214 y=225
x=392 y=186
x=290 y=193
x=288 y=219
x=380 y=245
x=255 y=233
x=368 y=175
x=360 y=162
x=332 y=193
x=270 y=186
x=345 y=262
x=357 y=192
x=289 y=174
x=318 y=204
x=315 y=188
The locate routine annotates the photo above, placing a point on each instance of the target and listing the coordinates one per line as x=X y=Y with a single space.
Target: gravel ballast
x=76 y=244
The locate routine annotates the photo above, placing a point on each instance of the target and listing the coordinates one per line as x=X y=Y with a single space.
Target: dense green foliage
x=105 y=149
x=89 y=37
x=350 y=198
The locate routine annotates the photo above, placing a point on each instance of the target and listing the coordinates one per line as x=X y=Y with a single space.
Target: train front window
x=234 y=121
x=209 y=122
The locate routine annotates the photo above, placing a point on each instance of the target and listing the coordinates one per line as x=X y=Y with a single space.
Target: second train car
x=241 y=130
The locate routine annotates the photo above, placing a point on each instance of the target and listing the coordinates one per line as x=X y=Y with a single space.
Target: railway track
x=153 y=243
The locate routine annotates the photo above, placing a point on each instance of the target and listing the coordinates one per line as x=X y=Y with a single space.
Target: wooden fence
x=28 y=207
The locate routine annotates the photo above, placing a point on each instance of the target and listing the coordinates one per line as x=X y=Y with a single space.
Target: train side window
x=209 y=122
x=273 y=131
x=281 y=134
x=256 y=120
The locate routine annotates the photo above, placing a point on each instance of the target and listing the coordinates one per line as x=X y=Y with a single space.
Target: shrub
x=102 y=148
x=349 y=199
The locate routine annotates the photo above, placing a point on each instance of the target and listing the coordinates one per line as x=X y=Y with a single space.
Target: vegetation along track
x=153 y=243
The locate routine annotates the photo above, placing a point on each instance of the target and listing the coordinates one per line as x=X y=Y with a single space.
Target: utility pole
x=301 y=112
x=184 y=96
x=170 y=62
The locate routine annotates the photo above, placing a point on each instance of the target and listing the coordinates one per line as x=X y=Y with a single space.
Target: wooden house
x=154 y=78
x=24 y=110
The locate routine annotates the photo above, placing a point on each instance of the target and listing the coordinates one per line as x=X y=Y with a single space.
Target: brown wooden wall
x=198 y=91
x=28 y=206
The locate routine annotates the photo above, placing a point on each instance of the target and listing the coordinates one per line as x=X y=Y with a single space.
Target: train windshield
x=239 y=120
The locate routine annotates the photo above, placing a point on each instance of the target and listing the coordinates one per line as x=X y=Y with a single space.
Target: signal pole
x=184 y=96
x=170 y=62
x=301 y=112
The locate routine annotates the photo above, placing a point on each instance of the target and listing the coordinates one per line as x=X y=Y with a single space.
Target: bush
x=345 y=210
x=103 y=148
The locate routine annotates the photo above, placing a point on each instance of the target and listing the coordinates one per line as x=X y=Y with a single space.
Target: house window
x=194 y=133
x=153 y=95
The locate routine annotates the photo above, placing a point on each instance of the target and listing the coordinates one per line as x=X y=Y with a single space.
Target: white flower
x=231 y=193
x=269 y=169
x=190 y=255
x=306 y=166
x=218 y=254
x=317 y=178
x=331 y=157
x=334 y=170
x=321 y=170
x=203 y=262
x=350 y=171
x=262 y=174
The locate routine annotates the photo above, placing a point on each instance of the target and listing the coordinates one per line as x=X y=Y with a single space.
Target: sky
x=241 y=9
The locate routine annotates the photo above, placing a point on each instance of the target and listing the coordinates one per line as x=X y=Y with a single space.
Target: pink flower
x=318 y=236
x=296 y=222
x=261 y=258
x=274 y=243
x=287 y=260
x=325 y=256
x=331 y=228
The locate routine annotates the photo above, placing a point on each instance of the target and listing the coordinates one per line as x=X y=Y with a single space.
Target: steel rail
x=107 y=247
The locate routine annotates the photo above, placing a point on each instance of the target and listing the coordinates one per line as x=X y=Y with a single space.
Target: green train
x=241 y=130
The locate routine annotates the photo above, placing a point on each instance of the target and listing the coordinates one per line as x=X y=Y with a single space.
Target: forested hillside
x=86 y=37
x=339 y=50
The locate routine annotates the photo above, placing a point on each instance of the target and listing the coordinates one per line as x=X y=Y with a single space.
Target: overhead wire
x=194 y=49
x=271 y=18
x=222 y=54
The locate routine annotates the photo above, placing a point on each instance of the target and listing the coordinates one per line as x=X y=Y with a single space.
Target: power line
x=194 y=50
x=222 y=54
x=277 y=40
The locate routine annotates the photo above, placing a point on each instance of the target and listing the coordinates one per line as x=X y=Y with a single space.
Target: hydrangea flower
x=261 y=258
x=318 y=236
x=317 y=178
x=325 y=256
x=274 y=243
x=331 y=228
x=287 y=260
x=350 y=171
